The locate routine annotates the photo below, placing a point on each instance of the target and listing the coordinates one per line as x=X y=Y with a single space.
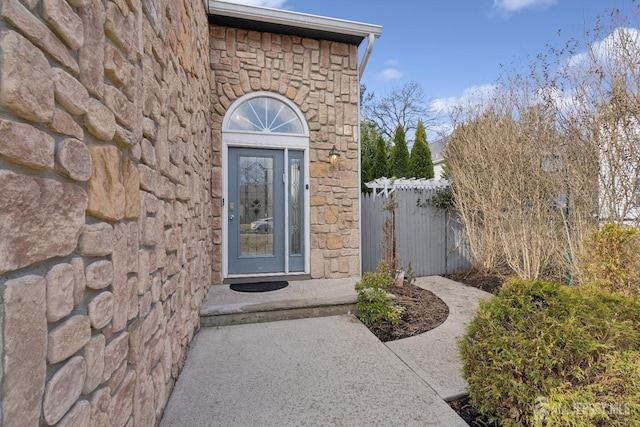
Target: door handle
x=230 y=217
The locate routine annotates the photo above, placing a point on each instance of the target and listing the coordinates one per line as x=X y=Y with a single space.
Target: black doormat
x=258 y=287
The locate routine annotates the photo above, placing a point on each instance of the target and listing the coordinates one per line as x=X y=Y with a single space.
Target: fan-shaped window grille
x=265 y=114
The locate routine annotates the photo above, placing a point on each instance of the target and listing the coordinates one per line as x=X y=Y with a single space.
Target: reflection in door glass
x=294 y=201
x=256 y=205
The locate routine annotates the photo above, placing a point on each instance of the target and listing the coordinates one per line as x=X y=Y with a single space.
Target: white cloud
x=266 y=3
x=509 y=6
x=620 y=48
x=390 y=74
x=475 y=95
x=393 y=62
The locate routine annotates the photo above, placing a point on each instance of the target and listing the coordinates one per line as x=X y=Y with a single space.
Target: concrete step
x=301 y=299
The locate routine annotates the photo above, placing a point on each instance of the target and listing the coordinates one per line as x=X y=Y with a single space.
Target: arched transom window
x=265 y=114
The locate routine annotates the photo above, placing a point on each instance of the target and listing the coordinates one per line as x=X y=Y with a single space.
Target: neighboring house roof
x=291 y=23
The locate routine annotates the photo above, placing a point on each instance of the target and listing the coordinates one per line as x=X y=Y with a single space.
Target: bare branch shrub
x=553 y=154
x=503 y=162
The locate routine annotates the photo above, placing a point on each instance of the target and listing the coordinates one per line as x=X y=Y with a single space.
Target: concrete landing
x=301 y=299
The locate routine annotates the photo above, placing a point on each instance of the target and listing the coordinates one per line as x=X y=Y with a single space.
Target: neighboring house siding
x=321 y=78
x=105 y=206
x=437 y=157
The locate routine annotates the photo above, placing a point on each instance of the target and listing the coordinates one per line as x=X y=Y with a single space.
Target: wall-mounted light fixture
x=334 y=154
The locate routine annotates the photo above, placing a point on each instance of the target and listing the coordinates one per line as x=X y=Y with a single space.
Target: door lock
x=230 y=217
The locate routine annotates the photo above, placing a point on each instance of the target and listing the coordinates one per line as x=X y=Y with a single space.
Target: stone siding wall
x=321 y=78
x=105 y=206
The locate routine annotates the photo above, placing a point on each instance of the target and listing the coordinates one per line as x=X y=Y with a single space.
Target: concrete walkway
x=324 y=371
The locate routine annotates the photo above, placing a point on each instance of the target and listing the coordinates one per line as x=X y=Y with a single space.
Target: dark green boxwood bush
x=544 y=354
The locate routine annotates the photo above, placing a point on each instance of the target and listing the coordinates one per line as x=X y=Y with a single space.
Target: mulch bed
x=486 y=282
x=469 y=413
x=423 y=312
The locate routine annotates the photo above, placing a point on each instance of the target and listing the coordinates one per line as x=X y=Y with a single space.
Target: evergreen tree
x=368 y=140
x=366 y=172
x=421 y=164
x=399 y=155
x=380 y=161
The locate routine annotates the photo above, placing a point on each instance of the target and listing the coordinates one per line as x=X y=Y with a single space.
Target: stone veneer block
x=25 y=344
x=100 y=403
x=78 y=3
x=116 y=66
x=74 y=159
x=105 y=187
x=94 y=356
x=96 y=239
x=143 y=410
x=63 y=123
x=123 y=109
x=122 y=401
x=39 y=219
x=100 y=121
x=334 y=241
x=119 y=284
x=99 y=274
x=61 y=17
x=25 y=145
x=63 y=390
x=331 y=215
x=68 y=338
x=91 y=58
x=125 y=139
x=101 y=310
x=69 y=92
x=78 y=416
x=60 y=287
x=131 y=190
x=114 y=354
x=79 y=279
x=26 y=86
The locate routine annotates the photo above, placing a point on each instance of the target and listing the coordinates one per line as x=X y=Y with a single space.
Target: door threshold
x=236 y=280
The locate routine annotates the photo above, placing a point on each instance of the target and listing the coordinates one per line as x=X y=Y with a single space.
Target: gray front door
x=256 y=211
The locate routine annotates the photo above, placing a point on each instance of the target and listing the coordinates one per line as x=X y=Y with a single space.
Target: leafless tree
x=402 y=106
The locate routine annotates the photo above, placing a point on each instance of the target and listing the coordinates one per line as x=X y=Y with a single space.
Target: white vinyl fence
x=427 y=236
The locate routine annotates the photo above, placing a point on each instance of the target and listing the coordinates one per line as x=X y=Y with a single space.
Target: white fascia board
x=293 y=19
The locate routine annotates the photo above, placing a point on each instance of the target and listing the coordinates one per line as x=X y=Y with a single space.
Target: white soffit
x=287 y=22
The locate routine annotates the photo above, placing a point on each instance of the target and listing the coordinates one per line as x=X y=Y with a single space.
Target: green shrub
x=443 y=197
x=542 y=354
x=613 y=400
x=374 y=303
x=612 y=259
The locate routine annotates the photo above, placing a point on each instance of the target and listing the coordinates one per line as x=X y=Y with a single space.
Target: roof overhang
x=278 y=21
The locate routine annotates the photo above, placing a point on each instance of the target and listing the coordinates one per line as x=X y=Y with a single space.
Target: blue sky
x=455 y=48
